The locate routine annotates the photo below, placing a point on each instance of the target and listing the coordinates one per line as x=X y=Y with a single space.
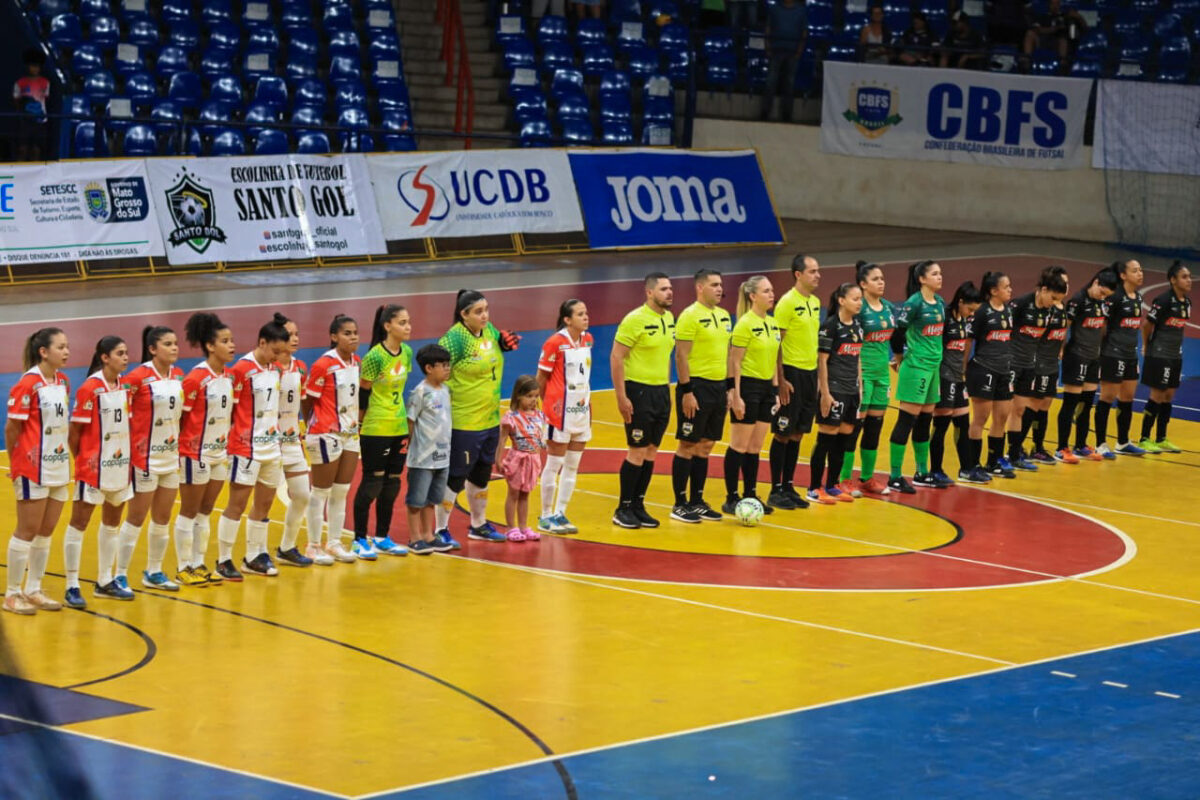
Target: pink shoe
x=531 y=535
x=516 y=535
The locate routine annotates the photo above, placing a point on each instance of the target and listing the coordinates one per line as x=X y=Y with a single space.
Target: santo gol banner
x=995 y=119
x=265 y=208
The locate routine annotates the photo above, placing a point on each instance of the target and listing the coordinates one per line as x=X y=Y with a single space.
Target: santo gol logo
x=873 y=110
x=194 y=213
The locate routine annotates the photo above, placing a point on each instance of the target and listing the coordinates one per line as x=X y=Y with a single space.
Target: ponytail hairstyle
x=567 y=309
x=338 y=321
x=274 y=331
x=523 y=386
x=32 y=355
x=748 y=287
x=1106 y=278
x=384 y=314
x=840 y=292
x=915 y=273
x=1054 y=278
x=151 y=336
x=863 y=270
x=990 y=281
x=202 y=328
x=965 y=293
x=104 y=347
x=1176 y=267
x=466 y=298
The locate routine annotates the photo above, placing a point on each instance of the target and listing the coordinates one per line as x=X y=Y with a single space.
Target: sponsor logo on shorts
x=687 y=428
x=637 y=434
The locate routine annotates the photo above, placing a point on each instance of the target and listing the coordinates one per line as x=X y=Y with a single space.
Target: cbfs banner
x=265 y=208
x=82 y=210
x=954 y=115
x=639 y=198
x=1147 y=127
x=474 y=193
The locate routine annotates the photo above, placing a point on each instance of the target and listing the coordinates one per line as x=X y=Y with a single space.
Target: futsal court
x=1035 y=638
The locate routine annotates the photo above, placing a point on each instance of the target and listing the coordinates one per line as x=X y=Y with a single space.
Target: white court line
x=1049 y=500
x=1168 y=695
x=164 y=754
x=771 y=715
x=1063 y=674
x=1115 y=685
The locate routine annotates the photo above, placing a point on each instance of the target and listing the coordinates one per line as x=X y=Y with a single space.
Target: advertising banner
x=1147 y=127
x=474 y=193
x=82 y=210
x=639 y=198
x=991 y=118
x=265 y=208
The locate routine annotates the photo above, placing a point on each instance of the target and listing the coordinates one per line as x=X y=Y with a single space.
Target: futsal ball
x=749 y=511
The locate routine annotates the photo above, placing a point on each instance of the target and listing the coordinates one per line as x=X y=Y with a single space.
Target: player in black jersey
x=1118 y=361
x=1162 y=346
x=1086 y=315
x=839 y=387
x=989 y=379
x=953 y=408
x=1032 y=314
x=1046 y=367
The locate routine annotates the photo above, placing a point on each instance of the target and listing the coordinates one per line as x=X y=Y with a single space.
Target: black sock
x=1028 y=416
x=777 y=456
x=644 y=482
x=1149 y=415
x=733 y=471
x=1124 y=420
x=976 y=452
x=816 y=462
x=937 y=443
x=368 y=492
x=1164 y=416
x=995 y=448
x=834 y=457
x=962 y=440
x=791 y=458
x=1102 y=409
x=1083 y=416
x=1041 y=421
x=1015 y=439
x=386 y=505
x=1066 y=417
x=681 y=470
x=630 y=475
x=699 y=476
x=749 y=473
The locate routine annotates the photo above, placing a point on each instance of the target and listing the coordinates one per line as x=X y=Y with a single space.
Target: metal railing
x=458 y=71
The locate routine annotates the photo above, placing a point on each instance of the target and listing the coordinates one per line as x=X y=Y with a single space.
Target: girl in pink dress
x=525 y=426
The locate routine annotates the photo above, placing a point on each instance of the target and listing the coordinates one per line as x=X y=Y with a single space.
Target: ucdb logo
x=429 y=199
x=873 y=109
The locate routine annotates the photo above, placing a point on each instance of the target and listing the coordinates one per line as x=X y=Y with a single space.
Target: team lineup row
x=140 y=439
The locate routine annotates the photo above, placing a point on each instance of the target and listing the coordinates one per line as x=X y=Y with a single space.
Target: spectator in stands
x=540 y=8
x=712 y=13
x=917 y=42
x=743 y=15
x=787 y=32
x=874 y=37
x=963 y=46
x=586 y=8
x=1007 y=21
x=29 y=96
x=1055 y=30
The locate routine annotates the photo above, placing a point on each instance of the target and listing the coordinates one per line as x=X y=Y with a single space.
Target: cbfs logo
x=873 y=110
x=673 y=199
x=194 y=213
x=430 y=200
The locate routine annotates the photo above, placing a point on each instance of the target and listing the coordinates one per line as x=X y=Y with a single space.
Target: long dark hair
x=383 y=315
x=152 y=335
x=915 y=273
x=567 y=309
x=990 y=281
x=967 y=292
x=1106 y=278
x=104 y=347
x=32 y=355
x=863 y=269
x=274 y=331
x=1053 y=278
x=841 y=291
x=1176 y=267
x=202 y=328
x=466 y=298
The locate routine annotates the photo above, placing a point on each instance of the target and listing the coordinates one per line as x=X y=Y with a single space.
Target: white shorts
x=96 y=497
x=194 y=472
x=293 y=457
x=29 y=490
x=148 y=481
x=325 y=448
x=562 y=437
x=247 y=472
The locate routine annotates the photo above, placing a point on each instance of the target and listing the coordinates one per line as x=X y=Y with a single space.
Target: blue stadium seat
x=139 y=141
x=1134 y=47
x=1175 y=53
x=552 y=28
x=300 y=67
x=133 y=10
x=184 y=34
x=99 y=86
x=344 y=43
x=398 y=136
x=663 y=8
x=509 y=27
x=718 y=41
x=1044 y=62
x=616 y=133
x=225 y=35
x=591 y=31
x=674 y=36
x=258 y=116
x=303 y=42
x=392 y=96
x=308 y=115
x=227 y=89
x=519 y=53
x=573 y=105
x=66 y=32
x=271 y=90
x=536 y=133
x=630 y=36
x=185 y=89
x=338 y=17
x=597 y=59
x=616 y=105
x=90 y=9
x=384 y=44
x=1173 y=74
x=193 y=143
x=214 y=116
x=1144 y=5
x=76 y=105
x=49 y=9
x=806 y=72
x=173 y=10
x=643 y=61
x=853 y=22
x=213 y=12
x=86 y=59
x=84 y=140
x=343 y=68
x=757 y=65
x=1088 y=67
x=349 y=93
x=295 y=15
x=1127 y=21
x=144 y=33
x=271 y=142
x=1093 y=44
x=352 y=122
x=1168 y=25
x=141 y=88
x=555 y=56
x=657 y=135
x=624 y=10
x=311 y=93
x=577 y=132
x=820 y=24
x=105 y=31
x=658 y=101
x=679 y=64
x=166 y=115
x=216 y=62
x=529 y=105
x=257 y=64
x=263 y=38
x=615 y=82
x=128 y=60
x=170 y=61
x=118 y=112
x=229 y=143
x=566 y=82
x=842 y=50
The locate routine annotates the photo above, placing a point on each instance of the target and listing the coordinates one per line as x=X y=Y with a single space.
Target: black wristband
x=730 y=385
x=684 y=388
x=364 y=398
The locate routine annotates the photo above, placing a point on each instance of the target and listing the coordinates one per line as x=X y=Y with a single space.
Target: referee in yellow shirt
x=641 y=373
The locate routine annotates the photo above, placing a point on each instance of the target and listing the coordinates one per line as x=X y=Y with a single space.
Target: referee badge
x=636 y=434
x=687 y=428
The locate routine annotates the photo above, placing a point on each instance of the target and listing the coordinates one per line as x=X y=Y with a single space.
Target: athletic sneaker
x=485 y=533
x=1088 y=453
x=643 y=517
x=113 y=591
x=318 y=555
x=797 y=497
x=159 y=580
x=293 y=557
x=228 y=571
x=421 y=548
x=730 y=506
x=1023 y=463
x=17 y=604
x=852 y=487
x=781 y=500
x=1165 y=446
x=1129 y=449
x=261 y=564
x=337 y=548
x=550 y=524
x=1001 y=467
x=941 y=480
x=1066 y=456
x=443 y=537
x=1150 y=447
x=1106 y=452
x=875 y=485
x=975 y=474
x=684 y=513
x=74 y=598
x=566 y=524
x=624 y=517
x=766 y=508
x=188 y=577
x=837 y=493
x=42 y=601
x=440 y=546
x=384 y=544
x=901 y=485
x=706 y=512
x=363 y=549
x=212 y=578
x=1041 y=457
x=924 y=480
x=820 y=496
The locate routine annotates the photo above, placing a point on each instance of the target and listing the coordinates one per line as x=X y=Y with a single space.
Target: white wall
x=809 y=184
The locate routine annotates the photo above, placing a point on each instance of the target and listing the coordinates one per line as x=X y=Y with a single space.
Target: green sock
x=868 y=464
x=921 y=450
x=897 y=459
x=848 y=467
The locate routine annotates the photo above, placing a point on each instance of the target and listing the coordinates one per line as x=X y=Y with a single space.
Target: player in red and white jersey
x=203 y=442
x=100 y=441
x=564 y=378
x=36 y=437
x=293 y=373
x=256 y=461
x=331 y=407
x=156 y=405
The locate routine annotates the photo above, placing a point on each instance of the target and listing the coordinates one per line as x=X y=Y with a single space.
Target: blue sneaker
x=1024 y=464
x=1130 y=449
x=421 y=548
x=386 y=545
x=444 y=537
x=113 y=590
x=74 y=598
x=293 y=557
x=941 y=480
x=1106 y=452
x=565 y=524
x=550 y=524
x=1002 y=467
x=487 y=533
x=364 y=550
x=159 y=580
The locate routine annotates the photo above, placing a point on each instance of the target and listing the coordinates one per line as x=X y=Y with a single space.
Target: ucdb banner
x=997 y=119
x=1147 y=127
x=266 y=208
x=474 y=193
x=639 y=198
x=82 y=210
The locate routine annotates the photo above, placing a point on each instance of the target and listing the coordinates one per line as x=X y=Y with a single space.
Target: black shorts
x=1118 y=370
x=708 y=423
x=651 y=413
x=843 y=411
x=954 y=395
x=1034 y=385
x=469 y=447
x=1161 y=373
x=385 y=454
x=797 y=416
x=984 y=384
x=1076 y=372
x=1046 y=386
x=760 y=397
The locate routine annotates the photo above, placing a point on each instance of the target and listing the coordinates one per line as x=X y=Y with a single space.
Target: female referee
x=1162 y=337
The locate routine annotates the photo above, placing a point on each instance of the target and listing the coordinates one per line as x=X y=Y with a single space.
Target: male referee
x=641 y=374
x=701 y=397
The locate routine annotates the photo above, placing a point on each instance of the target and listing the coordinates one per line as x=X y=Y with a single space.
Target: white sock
x=477 y=503
x=72 y=555
x=18 y=558
x=256 y=538
x=128 y=541
x=183 y=541
x=298 y=493
x=39 y=554
x=227 y=534
x=201 y=526
x=156 y=546
x=566 y=481
x=106 y=540
x=317 y=500
x=441 y=512
x=549 y=475
x=337 y=509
